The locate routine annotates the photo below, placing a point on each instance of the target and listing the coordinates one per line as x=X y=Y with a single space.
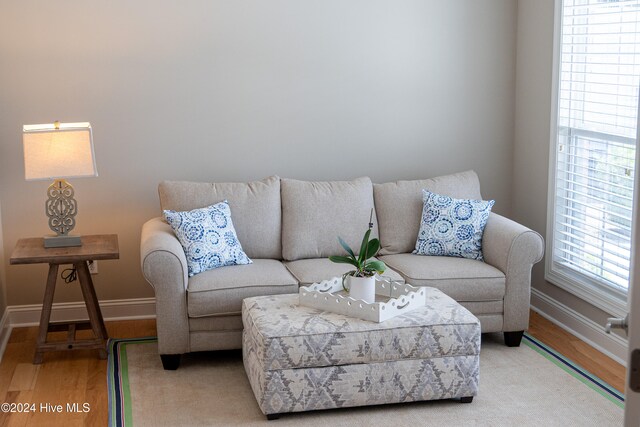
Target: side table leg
x=45 y=315
x=93 y=307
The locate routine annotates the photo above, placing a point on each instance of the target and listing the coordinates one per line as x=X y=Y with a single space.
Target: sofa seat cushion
x=221 y=291
x=308 y=271
x=460 y=278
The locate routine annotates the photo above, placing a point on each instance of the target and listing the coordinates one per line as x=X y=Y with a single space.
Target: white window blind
x=596 y=141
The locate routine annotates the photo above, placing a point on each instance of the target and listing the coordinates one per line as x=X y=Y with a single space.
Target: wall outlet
x=93 y=267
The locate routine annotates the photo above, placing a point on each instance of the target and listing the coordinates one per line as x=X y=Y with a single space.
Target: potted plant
x=362 y=282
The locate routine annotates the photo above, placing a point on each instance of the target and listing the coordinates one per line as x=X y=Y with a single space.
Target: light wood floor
x=578 y=351
x=80 y=377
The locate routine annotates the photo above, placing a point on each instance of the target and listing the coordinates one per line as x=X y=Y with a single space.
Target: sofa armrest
x=164 y=266
x=513 y=249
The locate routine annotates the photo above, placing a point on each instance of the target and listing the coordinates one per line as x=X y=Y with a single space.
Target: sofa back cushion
x=255 y=207
x=399 y=206
x=314 y=214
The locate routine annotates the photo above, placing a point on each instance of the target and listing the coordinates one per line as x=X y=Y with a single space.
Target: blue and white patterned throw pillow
x=208 y=237
x=452 y=227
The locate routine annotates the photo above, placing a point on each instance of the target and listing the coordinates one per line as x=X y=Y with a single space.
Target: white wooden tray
x=392 y=299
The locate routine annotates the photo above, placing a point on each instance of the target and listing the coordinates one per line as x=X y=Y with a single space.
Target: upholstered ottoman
x=300 y=359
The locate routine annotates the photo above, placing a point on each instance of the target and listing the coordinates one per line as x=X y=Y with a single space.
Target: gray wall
x=236 y=90
x=3 y=277
x=532 y=136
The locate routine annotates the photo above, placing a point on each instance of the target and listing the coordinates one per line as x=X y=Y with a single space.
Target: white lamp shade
x=62 y=152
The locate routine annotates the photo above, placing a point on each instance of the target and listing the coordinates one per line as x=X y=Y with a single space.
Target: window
x=598 y=74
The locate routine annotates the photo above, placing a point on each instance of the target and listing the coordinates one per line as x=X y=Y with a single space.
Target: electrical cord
x=69 y=275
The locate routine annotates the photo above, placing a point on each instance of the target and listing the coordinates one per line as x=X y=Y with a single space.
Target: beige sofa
x=289 y=228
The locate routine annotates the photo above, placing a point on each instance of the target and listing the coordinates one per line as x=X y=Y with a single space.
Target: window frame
x=605 y=297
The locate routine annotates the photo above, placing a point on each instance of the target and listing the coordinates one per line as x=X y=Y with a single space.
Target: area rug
x=529 y=385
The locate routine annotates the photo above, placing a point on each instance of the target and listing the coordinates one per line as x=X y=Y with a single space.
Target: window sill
x=612 y=301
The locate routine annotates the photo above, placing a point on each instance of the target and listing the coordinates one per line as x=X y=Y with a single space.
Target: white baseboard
x=29 y=315
x=582 y=327
x=5 y=332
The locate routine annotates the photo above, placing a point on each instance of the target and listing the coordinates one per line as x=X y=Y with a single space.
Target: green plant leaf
x=373 y=247
x=376 y=265
x=346 y=247
x=343 y=260
x=362 y=255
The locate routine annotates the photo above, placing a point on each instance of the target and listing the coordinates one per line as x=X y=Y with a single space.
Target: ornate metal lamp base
x=61 y=241
x=61 y=208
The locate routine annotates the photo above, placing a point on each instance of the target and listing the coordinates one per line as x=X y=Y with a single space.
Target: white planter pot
x=363 y=288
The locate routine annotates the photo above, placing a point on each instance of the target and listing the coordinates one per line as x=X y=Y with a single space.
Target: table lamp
x=55 y=152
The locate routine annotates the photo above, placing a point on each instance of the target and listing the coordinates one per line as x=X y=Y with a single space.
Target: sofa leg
x=272 y=417
x=466 y=399
x=170 y=362
x=512 y=339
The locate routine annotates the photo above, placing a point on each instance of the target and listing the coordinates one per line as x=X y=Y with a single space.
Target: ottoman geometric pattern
x=298 y=358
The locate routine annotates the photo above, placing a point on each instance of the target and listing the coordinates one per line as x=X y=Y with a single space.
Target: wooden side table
x=96 y=247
